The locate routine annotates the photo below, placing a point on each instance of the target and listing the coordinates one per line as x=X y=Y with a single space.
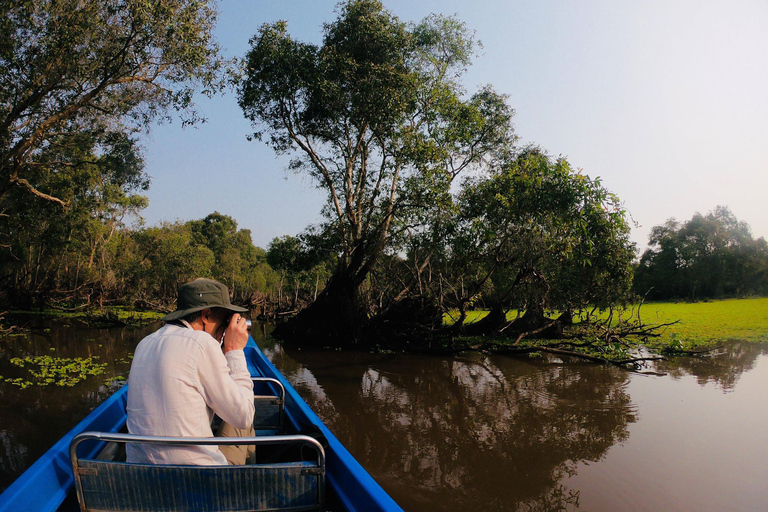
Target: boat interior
x=287 y=471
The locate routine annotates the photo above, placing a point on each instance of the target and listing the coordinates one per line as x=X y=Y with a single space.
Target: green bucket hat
x=201 y=294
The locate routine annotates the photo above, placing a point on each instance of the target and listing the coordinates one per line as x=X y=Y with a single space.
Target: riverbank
x=686 y=327
x=634 y=335
x=110 y=316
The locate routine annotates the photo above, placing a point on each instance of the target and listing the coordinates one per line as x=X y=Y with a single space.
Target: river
x=477 y=432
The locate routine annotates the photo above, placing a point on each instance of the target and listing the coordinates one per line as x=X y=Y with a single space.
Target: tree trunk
x=333 y=320
x=493 y=322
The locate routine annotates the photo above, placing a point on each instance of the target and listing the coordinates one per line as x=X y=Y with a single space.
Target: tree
x=376 y=116
x=238 y=263
x=55 y=254
x=167 y=256
x=79 y=80
x=712 y=255
x=74 y=73
x=285 y=255
x=537 y=235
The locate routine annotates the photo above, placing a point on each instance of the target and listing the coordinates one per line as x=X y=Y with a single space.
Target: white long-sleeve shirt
x=179 y=378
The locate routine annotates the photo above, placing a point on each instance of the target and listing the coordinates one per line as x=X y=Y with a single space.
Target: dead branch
x=647 y=331
x=529 y=333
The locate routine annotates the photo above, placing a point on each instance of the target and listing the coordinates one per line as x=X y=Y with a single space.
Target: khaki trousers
x=237 y=454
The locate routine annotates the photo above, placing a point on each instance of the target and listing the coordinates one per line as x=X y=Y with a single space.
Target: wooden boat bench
x=106 y=485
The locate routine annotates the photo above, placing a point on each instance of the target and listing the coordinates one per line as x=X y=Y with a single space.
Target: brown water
x=481 y=432
x=34 y=418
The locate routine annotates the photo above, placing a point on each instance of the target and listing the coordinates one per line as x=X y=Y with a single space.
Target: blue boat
x=49 y=484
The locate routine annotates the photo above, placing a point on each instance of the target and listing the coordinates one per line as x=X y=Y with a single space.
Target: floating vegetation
x=109 y=316
x=116 y=378
x=57 y=371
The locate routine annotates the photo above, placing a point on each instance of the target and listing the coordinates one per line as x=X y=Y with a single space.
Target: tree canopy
x=538 y=235
x=376 y=115
x=79 y=81
x=76 y=74
x=708 y=256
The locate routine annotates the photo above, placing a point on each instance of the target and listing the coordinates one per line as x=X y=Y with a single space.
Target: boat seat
x=105 y=485
x=269 y=405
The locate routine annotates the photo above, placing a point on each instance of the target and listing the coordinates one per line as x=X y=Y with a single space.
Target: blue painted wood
x=47 y=482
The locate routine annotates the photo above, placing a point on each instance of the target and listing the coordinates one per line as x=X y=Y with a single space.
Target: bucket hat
x=201 y=294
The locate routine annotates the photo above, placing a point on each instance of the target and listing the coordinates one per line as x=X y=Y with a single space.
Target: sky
x=665 y=101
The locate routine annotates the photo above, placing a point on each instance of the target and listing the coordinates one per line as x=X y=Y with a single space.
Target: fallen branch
x=648 y=331
x=528 y=333
x=596 y=359
x=9 y=329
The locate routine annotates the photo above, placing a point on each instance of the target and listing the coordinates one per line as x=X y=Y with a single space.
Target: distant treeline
x=57 y=264
x=709 y=256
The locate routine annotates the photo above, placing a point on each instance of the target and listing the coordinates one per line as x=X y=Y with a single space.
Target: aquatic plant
x=58 y=371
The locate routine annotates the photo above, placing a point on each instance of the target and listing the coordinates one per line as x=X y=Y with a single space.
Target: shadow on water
x=475 y=433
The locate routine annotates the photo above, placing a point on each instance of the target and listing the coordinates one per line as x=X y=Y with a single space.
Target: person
x=186 y=371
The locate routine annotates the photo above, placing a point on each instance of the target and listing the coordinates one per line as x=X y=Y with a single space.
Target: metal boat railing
x=112 y=485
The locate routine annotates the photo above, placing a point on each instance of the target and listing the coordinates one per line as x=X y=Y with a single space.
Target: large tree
x=75 y=72
x=534 y=235
x=79 y=81
x=64 y=252
x=377 y=116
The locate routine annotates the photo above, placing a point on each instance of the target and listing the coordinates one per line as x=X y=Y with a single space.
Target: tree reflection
x=480 y=433
x=723 y=368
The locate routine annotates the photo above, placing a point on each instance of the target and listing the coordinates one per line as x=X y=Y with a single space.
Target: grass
x=710 y=322
x=113 y=312
x=700 y=323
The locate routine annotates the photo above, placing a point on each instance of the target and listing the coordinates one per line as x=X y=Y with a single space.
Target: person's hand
x=235 y=334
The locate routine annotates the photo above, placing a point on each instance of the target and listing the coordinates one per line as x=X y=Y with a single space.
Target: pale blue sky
x=665 y=100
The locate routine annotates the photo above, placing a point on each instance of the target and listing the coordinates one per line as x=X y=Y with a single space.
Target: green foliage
x=45 y=245
x=237 y=262
x=169 y=255
x=75 y=72
x=140 y=267
x=709 y=256
x=303 y=263
x=536 y=234
x=376 y=116
x=80 y=81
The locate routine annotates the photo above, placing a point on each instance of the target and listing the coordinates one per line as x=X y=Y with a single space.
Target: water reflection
x=723 y=367
x=468 y=433
x=481 y=432
x=477 y=433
